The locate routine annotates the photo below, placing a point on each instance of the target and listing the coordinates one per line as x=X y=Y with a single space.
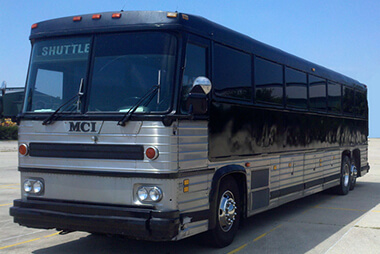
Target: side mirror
x=197 y=102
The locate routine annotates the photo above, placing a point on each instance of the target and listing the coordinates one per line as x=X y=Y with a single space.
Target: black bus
x=163 y=125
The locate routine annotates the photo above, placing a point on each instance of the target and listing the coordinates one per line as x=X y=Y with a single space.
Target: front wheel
x=228 y=212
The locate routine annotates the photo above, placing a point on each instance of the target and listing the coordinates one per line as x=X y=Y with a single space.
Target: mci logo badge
x=82 y=126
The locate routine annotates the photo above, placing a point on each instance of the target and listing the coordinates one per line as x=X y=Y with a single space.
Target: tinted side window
x=195 y=66
x=317 y=93
x=348 y=100
x=334 y=97
x=268 y=82
x=360 y=104
x=232 y=73
x=296 y=88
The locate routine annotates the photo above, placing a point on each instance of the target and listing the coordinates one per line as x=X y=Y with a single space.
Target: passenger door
x=195 y=65
x=193 y=135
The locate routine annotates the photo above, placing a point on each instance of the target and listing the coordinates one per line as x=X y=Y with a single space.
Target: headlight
x=34 y=186
x=28 y=186
x=38 y=187
x=155 y=194
x=142 y=194
x=149 y=194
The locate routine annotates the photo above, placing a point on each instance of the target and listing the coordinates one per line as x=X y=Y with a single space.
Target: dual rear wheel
x=348 y=176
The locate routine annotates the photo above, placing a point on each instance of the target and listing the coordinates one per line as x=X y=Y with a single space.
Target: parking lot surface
x=321 y=223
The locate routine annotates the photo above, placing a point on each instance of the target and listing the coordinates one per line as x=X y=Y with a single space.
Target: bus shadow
x=296 y=227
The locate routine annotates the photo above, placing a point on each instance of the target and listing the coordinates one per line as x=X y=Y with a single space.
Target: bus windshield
x=122 y=68
x=56 y=70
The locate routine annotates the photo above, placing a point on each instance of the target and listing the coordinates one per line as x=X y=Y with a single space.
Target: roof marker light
x=116 y=15
x=77 y=18
x=185 y=17
x=34 y=26
x=96 y=16
x=172 y=14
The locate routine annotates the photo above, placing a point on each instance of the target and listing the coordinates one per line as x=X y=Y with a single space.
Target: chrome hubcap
x=227 y=211
x=354 y=172
x=346 y=175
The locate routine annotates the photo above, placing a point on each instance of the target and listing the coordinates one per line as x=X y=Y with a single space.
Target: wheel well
x=238 y=174
x=356 y=155
x=346 y=153
x=241 y=180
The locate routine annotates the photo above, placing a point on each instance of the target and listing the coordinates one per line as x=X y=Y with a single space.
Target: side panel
x=249 y=130
x=192 y=144
x=313 y=170
x=291 y=174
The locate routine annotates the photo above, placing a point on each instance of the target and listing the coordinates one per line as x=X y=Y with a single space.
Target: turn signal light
x=34 y=26
x=186 y=183
x=96 y=16
x=151 y=153
x=23 y=149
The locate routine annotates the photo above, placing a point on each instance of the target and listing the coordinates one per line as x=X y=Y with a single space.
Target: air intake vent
x=87 y=151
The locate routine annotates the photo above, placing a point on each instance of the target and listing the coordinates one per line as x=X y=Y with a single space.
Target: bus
x=163 y=125
x=11 y=99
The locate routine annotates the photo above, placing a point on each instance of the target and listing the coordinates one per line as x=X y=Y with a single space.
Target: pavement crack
x=315 y=223
x=357 y=226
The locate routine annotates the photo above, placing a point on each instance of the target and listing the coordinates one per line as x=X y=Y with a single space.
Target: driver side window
x=195 y=66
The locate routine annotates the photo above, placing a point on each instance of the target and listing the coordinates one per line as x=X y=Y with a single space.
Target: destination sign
x=62 y=49
x=70 y=49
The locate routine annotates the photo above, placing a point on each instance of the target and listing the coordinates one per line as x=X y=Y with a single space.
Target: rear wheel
x=228 y=212
x=345 y=176
x=353 y=174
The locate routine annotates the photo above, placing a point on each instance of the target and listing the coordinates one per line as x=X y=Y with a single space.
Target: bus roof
x=159 y=20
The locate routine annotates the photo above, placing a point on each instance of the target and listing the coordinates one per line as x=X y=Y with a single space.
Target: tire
x=227 y=214
x=353 y=173
x=345 y=176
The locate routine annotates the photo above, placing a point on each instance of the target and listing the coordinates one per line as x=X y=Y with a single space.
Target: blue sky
x=343 y=35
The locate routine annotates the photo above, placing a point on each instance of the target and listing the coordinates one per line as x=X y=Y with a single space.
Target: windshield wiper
x=78 y=96
x=127 y=116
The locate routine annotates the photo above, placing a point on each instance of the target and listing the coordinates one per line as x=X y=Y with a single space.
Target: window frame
x=228 y=98
x=263 y=103
x=314 y=109
x=329 y=109
x=365 y=112
x=196 y=41
x=343 y=101
x=293 y=107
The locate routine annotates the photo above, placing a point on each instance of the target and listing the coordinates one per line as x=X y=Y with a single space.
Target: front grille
x=87 y=151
